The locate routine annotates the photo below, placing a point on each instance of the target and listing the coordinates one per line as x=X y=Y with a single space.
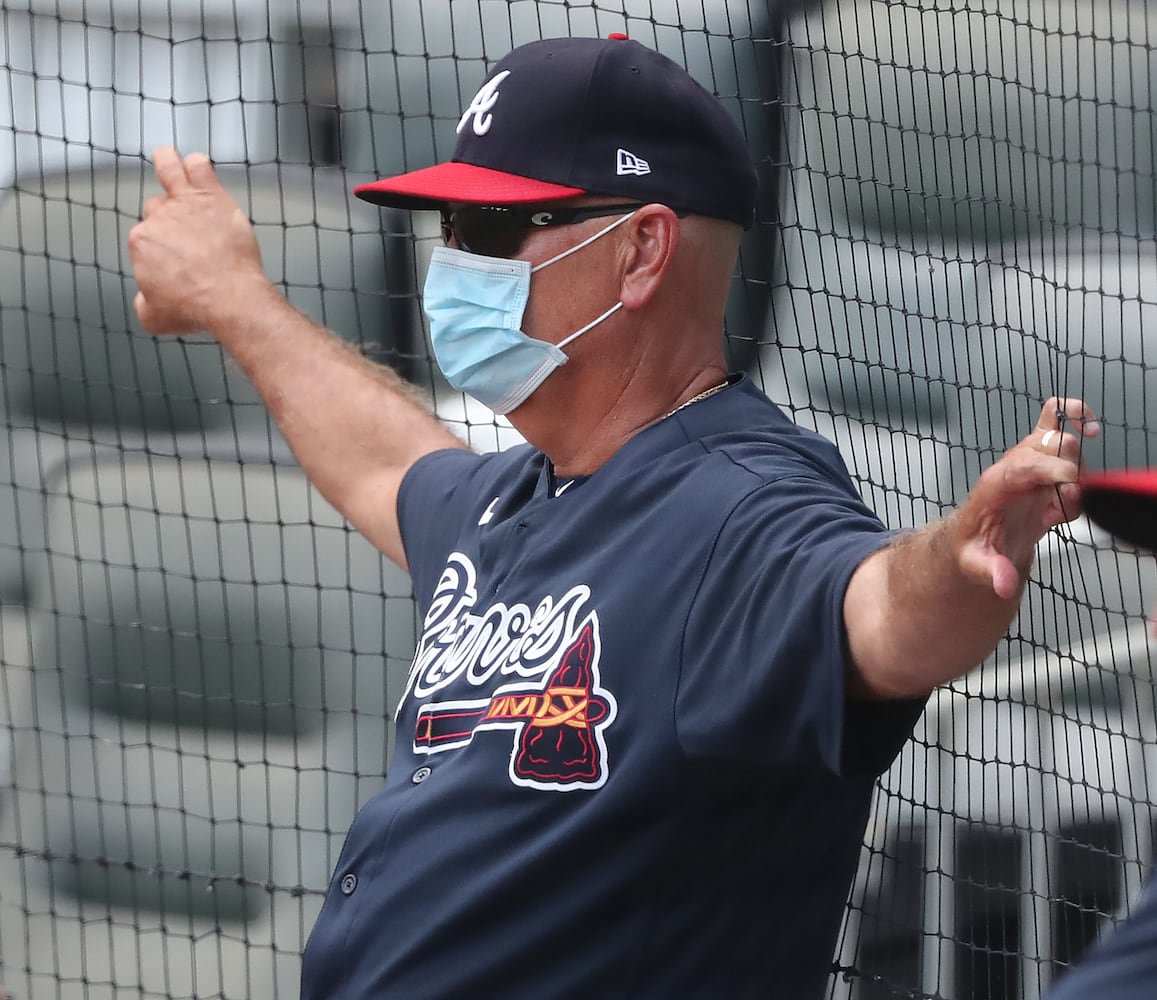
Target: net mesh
x=957 y=221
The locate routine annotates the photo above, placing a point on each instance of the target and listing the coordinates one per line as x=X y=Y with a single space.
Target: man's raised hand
x=194 y=253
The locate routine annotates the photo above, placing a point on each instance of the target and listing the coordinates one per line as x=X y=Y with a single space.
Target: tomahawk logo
x=482 y=105
x=629 y=163
x=556 y=709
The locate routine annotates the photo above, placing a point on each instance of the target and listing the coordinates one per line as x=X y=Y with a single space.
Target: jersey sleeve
x=762 y=673
x=434 y=501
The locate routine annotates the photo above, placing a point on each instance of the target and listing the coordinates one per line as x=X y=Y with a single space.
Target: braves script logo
x=482 y=105
x=556 y=707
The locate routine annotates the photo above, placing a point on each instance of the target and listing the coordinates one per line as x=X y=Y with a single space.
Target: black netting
x=957 y=220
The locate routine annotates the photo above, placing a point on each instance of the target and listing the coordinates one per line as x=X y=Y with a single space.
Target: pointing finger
x=171 y=171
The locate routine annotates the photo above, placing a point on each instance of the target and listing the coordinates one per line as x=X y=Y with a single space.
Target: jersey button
x=349 y=883
x=420 y=775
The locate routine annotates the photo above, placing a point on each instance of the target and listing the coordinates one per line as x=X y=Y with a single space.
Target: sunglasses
x=499 y=230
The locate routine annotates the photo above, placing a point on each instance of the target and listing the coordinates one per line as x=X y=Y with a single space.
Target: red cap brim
x=433 y=187
x=1123 y=503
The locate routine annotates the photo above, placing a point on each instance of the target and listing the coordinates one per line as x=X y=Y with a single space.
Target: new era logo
x=629 y=163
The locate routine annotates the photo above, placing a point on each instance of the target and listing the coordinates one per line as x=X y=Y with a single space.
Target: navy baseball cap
x=1123 y=503
x=564 y=117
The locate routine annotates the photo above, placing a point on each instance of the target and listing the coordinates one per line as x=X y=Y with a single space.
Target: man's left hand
x=1032 y=488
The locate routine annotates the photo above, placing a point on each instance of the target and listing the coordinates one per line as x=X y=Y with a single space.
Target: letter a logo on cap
x=629 y=163
x=482 y=105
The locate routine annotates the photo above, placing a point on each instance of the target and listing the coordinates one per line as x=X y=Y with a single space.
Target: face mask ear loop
x=595 y=322
x=587 y=242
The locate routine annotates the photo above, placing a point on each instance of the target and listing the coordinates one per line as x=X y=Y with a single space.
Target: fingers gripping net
x=957 y=223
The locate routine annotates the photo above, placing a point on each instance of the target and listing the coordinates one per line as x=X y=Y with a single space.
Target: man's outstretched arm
x=935 y=603
x=355 y=426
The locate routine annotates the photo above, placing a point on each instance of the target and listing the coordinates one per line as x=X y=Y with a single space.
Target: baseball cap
x=563 y=117
x=1123 y=503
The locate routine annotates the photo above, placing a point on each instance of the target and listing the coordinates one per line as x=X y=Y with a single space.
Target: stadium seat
x=215 y=659
x=78 y=367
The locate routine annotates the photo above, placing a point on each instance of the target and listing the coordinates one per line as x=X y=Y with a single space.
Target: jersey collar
x=711 y=415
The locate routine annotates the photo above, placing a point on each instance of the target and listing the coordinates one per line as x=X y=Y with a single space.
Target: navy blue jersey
x=1124 y=965
x=625 y=766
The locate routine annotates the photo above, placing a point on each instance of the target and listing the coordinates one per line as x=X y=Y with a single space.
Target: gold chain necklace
x=703 y=395
x=558 y=489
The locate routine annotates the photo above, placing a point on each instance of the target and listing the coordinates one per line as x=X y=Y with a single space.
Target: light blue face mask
x=475 y=306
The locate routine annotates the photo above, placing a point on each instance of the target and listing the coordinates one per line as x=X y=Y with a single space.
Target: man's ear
x=652 y=237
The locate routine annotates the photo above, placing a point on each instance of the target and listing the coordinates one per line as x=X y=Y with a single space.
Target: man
x=666 y=648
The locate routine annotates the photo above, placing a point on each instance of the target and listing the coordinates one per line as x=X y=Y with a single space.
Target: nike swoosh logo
x=488 y=513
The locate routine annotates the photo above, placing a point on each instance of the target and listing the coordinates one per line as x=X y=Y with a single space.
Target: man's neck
x=588 y=439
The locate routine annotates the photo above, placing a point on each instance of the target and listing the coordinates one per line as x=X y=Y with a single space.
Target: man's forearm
x=934 y=604
x=916 y=620
x=355 y=426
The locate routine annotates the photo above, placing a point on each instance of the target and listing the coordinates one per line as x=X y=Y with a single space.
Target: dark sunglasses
x=499 y=230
